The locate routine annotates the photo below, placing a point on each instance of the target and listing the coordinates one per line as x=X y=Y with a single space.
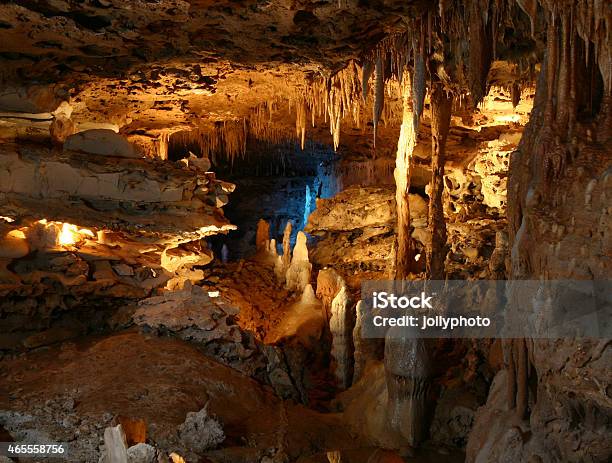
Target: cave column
x=404 y=258
x=441 y=104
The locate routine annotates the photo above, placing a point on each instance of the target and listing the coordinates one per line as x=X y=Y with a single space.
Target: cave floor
x=71 y=391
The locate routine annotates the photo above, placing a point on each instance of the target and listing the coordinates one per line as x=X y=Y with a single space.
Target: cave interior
x=192 y=193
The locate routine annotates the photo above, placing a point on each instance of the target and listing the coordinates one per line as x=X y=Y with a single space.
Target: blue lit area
x=276 y=195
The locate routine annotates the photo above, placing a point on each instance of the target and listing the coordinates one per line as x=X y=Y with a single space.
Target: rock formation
x=365 y=350
x=329 y=284
x=101 y=142
x=91 y=190
x=262 y=239
x=341 y=330
x=200 y=431
x=287 y=245
x=358 y=218
x=115 y=446
x=193 y=315
x=408 y=369
x=298 y=273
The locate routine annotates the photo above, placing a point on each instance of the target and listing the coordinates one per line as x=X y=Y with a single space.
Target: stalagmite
x=300 y=251
x=272 y=248
x=408 y=369
x=298 y=273
x=329 y=283
x=115 y=445
x=441 y=105
x=341 y=330
x=263 y=235
x=287 y=244
x=280 y=270
x=365 y=350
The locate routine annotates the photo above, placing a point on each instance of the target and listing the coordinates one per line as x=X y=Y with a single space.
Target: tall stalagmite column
x=404 y=259
x=407 y=366
x=441 y=104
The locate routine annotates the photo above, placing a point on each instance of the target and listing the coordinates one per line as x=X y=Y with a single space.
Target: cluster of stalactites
x=469 y=26
x=590 y=20
x=349 y=97
x=579 y=41
x=371 y=89
x=228 y=139
x=334 y=99
x=475 y=27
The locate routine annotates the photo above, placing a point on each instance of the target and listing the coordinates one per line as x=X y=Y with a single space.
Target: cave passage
x=284 y=190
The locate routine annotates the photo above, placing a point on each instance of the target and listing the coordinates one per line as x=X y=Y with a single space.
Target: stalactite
x=336 y=98
x=515 y=93
x=300 y=121
x=562 y=90
x=551 y=71
x=367 y=70
x=480 y=51
x=418 y=86
x=162 y=147
x=379 y=95
x=530 y=7
x=441 y=105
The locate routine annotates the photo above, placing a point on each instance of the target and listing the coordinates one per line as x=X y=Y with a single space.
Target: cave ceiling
x=166 y=63
x=150 y=66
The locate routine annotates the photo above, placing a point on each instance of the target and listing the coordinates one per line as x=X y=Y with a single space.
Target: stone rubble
x=200 y=432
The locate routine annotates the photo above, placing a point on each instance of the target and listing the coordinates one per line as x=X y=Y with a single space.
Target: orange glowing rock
x=14 y=245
